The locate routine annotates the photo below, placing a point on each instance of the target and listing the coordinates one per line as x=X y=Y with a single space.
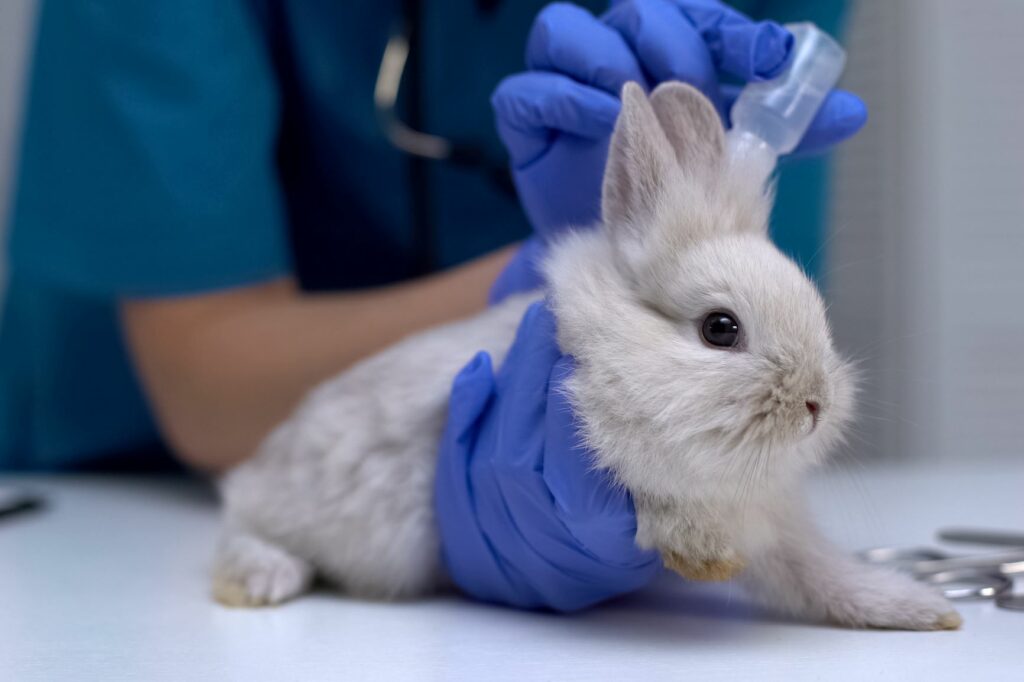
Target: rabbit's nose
x=814 y=409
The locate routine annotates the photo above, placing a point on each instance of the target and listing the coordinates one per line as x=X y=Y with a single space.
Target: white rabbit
x=706 y=383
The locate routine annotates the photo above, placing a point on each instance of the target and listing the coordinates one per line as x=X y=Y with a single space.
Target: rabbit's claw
x=708 y=570
x=251 y=572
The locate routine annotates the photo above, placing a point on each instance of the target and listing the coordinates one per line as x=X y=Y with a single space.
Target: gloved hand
x=524 y=519
x=521 y=274
x=556 y=119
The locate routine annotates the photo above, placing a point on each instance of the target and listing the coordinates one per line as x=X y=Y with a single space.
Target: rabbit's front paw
x=885 y=599
x=693 y=542
x=251 y=572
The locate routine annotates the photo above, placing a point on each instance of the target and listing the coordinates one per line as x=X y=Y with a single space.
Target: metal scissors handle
x=972 y=576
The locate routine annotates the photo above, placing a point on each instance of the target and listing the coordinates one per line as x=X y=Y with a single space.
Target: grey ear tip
x=677 y=90
x=674 y=86
x=633 y=90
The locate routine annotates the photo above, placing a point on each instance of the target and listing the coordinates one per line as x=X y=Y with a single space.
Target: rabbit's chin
x=725 y=514
x=707 y=534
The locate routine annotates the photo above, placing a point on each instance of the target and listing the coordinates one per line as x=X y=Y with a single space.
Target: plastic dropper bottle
x=770 y=117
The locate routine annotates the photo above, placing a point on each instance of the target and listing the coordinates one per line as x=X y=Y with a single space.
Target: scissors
x=987 y=575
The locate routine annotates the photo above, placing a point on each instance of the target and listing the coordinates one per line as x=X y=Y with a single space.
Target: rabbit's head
x=706 y=375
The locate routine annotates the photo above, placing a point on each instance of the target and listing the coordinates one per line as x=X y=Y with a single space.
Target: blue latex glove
x=556 y=119
x=524 y=519
x=522 y=272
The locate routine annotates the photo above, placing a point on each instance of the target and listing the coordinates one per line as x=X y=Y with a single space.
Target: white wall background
x=927 y=281
x=16 y=19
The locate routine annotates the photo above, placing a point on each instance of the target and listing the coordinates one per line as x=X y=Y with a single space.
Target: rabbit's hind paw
x=251 y=572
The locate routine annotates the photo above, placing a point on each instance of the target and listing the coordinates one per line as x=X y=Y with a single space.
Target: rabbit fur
x=710 y=442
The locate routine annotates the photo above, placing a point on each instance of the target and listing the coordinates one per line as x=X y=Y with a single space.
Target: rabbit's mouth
x=814 y=412
x=785 y=420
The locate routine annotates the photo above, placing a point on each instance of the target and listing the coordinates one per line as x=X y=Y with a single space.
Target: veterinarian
x=220 y=204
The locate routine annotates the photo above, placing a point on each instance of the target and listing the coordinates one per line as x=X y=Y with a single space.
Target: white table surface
x=109 y=583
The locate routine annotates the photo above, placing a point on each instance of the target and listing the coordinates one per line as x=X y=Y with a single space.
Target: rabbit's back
x=347 y=482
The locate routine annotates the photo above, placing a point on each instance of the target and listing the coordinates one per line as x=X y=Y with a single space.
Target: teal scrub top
x=175 y=148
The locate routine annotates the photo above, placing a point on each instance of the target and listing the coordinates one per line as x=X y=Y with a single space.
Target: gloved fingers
x=532 y=537
x=666 y=43
x=522 y=383
x=595 y=509
x=841 y=115
x=471 y=390
x=522 y=272
x=567 y=574
x=579 y=488
x=500 y=521
x=749 y=50
x=467 y=553
x=529 y=107
x=529 y=559
x=568 y=39
x=527 y=367
x=468 y=489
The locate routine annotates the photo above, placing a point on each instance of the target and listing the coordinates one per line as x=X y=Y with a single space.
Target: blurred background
x=16 y=22
x=922 y=263
x=927 y=228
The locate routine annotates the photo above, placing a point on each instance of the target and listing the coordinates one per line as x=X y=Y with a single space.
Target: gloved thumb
x=471 y=391
x=594 y=508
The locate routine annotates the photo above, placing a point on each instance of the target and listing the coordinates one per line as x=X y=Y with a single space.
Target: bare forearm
x=222 y=369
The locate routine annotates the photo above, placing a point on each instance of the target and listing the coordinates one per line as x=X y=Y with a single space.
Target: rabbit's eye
x=721 y=329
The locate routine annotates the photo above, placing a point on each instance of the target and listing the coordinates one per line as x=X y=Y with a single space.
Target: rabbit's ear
x=692 y=126
x=640 y=161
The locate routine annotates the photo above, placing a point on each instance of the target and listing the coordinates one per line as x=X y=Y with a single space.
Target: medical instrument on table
x=770 y=118
x=982 y=537
x=968 y=583
x=1013 y=602
x=971 y=576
